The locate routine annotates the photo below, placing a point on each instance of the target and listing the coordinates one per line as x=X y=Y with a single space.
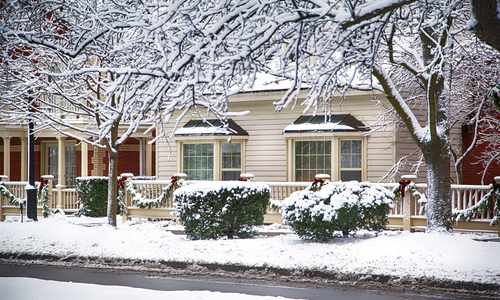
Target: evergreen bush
x=221 y=209
x=322 y=215
x=93 y=194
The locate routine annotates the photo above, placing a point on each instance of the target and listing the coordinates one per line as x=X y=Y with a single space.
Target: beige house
x=281 y=146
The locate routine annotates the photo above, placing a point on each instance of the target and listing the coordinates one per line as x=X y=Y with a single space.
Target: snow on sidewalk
x=457 y=257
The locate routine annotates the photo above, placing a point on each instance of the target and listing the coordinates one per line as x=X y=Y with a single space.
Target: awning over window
x=210 y=127
x=343 y=122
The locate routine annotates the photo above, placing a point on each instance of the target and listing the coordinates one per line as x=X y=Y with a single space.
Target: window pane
x=226 y=161
x=230 y=175
x=356 y=161
x=198 y=161
x=350 y=175
x=226 y=148
x=356 y=146
x=236 y=148
x=345 y=161
x=311 y=158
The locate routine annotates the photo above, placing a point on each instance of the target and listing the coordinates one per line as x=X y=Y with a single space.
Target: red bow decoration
x=318 y=180
x=402 y=186
x=120 y=184
x=42 y=183
x=242 y=179
x=174 y=179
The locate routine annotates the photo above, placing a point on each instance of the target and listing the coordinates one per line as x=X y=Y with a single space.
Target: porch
x=406 y=215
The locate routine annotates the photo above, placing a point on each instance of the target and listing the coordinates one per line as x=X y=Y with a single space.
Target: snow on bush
x=211 y=210
x=322 y=215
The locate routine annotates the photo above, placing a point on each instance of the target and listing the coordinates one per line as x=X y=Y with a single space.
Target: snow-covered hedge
x=211 y=210
x=93 y=194
x=322 y=215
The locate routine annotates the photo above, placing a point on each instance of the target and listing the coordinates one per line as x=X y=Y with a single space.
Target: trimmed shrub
x=211 y=210
x=321 y=215
x=93 y=193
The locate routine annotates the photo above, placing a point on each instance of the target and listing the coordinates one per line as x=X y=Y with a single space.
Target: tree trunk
x=112 y=185
x=438 y=208
x=487 y=27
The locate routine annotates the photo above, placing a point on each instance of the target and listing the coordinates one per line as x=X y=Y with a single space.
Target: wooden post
x=325 y=177
x=497 y=181
x=127 y=198
x=6 y=155
x=407 y=204
x=247 y=176
x=2 y=217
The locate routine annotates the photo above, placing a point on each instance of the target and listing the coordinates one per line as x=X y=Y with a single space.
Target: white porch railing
x=405 y=215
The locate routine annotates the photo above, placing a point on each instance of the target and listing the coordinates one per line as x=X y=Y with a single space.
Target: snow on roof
x=210 y=127
x=318 y=123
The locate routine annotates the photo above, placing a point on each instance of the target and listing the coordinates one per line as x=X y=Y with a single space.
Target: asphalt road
x=155 y=281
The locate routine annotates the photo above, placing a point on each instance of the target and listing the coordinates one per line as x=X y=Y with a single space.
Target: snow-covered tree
x=332 y=45
x=67 y=65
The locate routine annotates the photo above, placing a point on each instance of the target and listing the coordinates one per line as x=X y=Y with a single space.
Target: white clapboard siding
x=266 y=146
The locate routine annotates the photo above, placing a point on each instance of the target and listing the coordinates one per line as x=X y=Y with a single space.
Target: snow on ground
x=15 y=288
x=455 y=257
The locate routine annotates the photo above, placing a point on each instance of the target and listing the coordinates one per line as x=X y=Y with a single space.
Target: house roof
x=210 y=127
x=322 y=123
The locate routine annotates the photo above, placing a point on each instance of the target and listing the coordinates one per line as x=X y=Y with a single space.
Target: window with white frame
x=211 y=149
x=351 y=160
x=216 y=160
x=231 y=161
x=342 y=158
x=198 y=161
x=51 y=161
x=311 y=158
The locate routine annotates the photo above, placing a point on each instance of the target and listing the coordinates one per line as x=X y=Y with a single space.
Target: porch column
x=85 y=159
x=61 y=171
x=407 y=204
x=24 y=159
x=497 y=181
x=6 y=155
x=149 y=157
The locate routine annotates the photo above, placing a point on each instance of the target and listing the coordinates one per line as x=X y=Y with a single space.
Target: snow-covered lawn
x=455 y=257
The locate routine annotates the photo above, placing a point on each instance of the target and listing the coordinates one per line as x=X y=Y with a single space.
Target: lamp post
x=31 y=205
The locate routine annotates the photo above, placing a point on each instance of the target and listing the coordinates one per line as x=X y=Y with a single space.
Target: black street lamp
x=31 y=205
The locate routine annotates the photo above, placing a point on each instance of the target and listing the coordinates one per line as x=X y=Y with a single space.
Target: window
x=51 y=160
x=231 y=161
x=52 y=163
x=342 y=158
x=350 y=160
x=198 y=161
x=70 y=178
x=311 y=158
x=215 y=160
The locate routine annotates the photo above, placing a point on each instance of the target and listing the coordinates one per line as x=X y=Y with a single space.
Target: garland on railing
x=12 y=199
x=407 y=185
x=43 y=196
x=149 y=203
x=492 y=199
x=120 y=190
